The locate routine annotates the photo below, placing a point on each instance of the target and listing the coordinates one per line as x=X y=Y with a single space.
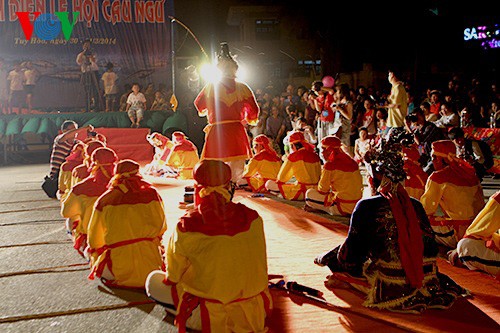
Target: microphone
x=294 y=286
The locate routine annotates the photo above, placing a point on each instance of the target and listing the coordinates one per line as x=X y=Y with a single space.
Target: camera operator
x=322 y=98
x=88 y=65
x=425 y=133
x=343 y=110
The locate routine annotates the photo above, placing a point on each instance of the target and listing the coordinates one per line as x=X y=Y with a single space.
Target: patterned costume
x=480 y=247
x=456 y=190
x=79 y=204
x=184 y=156
x=264 y=166
x=126 y=229
x=341 y=184
x=300 y=172
x=163 y=146
x=416 y=177
x=217 y=263
x=390 y=251
x=74 y=159
x=228 y=105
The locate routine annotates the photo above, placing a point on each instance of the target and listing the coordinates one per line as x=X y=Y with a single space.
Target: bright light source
x=242 y=73
x=210 y=73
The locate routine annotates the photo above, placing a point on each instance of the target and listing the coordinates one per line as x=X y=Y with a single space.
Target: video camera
x=412 y=118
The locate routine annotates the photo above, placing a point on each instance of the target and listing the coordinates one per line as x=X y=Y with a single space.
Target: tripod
x=91 y=86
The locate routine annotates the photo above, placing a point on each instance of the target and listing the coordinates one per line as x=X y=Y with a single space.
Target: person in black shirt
x=424 y=133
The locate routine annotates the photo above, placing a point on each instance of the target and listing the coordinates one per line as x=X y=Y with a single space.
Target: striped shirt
x=60 y=150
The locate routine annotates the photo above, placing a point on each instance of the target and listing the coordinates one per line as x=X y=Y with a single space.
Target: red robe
x=227 y=105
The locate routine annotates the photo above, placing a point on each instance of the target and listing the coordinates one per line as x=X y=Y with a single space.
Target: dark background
x=423 y=37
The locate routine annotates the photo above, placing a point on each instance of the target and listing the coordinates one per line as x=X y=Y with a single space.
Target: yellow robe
x=261 y=168
x=183 y=157
x=486 y=225
x=459 y=200
x=78 y=207
x=305 y=167
x=65 y=182
x=343 y=184
x=65 y=176
x=124 y=236
x=228 y=272
x=79 y=173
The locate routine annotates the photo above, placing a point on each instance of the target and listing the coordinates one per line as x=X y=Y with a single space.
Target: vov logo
x=47 y=26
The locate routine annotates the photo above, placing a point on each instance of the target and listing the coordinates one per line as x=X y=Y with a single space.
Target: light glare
x=210 y=73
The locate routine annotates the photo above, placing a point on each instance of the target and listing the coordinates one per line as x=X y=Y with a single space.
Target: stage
x=37 y=131
x=45 y=285
x=49 y=123
x=42 y=127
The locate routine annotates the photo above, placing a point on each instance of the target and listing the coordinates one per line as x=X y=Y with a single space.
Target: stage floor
x=45 y=286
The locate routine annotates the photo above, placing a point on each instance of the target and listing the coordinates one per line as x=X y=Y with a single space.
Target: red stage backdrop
x=132 y=34
x=129 y=143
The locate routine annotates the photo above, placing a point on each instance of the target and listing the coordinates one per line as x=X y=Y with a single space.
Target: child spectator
x=136 y=104
x=109 y=79
x=159 y=103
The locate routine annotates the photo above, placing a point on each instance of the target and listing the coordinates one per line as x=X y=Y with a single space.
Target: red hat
x=104 y=156
x=92 y=146
x=78 y=150
x=79 y=146
x=178 y=137
x=127 y=166
x=297 y=137
x=331 y=147
x=262 y=140
x=212 y=173
x=162 y=138
x=331 y=142
x=77 y=154
x=444 y=148
x=266 y=143
x=411 y=153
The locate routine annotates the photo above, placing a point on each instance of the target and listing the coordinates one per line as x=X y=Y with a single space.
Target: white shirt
x=16 y=80
x=448 y=120
x=109 y=79
x=136 y=100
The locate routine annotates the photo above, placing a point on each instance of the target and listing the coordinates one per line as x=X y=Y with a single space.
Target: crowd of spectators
x=432 y=112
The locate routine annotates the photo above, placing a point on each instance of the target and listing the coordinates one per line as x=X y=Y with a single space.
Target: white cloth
x=363 y=146
x=313 y=194
x=476 y=256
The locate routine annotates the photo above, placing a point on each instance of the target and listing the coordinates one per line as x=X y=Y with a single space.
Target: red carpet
x=128 y=142
x=294 y=237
